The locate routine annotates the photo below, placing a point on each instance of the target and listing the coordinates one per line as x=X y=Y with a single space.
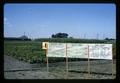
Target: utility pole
x=84 y=36
x=24 y=33
x=103 y=36
x=97 y=36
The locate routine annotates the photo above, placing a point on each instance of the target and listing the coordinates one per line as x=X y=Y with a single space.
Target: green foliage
x=32 y=52
x=25 y=50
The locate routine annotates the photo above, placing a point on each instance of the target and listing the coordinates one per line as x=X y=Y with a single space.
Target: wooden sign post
x=66 y=62
x=112 y=67
x=88 y=63
x=45 y=46
x=47 y=60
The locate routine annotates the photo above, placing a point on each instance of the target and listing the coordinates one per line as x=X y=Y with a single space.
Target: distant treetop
x=24 y=37
x=60 y=35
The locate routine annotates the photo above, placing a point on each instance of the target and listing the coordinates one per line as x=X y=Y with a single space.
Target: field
x=32 y=52
x=25 y=50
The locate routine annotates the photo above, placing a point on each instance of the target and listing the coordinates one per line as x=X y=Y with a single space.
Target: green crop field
x=25 y=50
x=32 y=52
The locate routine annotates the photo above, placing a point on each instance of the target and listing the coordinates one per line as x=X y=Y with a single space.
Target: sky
x=42 y=20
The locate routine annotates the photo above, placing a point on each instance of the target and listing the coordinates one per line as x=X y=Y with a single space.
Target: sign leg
x=112 y=69
x=66 y=63
x=88 y=63
x=47 y=61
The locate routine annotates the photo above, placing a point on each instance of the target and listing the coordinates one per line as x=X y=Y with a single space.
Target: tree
x=71 y=37
x=60 y=35
x=53 y=36
x=24 y=37
x=106 y=38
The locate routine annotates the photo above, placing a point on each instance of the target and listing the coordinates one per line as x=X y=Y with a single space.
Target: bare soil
x=99 y=69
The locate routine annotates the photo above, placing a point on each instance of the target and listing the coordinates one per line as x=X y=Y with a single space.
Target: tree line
x=57 y=35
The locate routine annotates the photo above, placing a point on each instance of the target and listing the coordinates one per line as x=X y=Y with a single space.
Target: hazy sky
x=43 y=20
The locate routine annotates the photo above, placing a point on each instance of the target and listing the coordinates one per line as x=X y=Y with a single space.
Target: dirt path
x=11 y=63
x=15 y=69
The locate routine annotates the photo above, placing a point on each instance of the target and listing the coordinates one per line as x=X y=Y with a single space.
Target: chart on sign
x=100 y=51
x=79 y=50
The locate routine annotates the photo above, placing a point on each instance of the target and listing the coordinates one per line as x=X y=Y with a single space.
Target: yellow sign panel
x=44 y=45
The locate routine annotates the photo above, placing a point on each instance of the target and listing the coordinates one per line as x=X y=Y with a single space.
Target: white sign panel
x=56 y=50
x=100 y=51
x=78 y=50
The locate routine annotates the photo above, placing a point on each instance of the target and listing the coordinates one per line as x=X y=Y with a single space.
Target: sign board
x=100 y=51
x=45 y=45
x=79 y=50
x=56 y=50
